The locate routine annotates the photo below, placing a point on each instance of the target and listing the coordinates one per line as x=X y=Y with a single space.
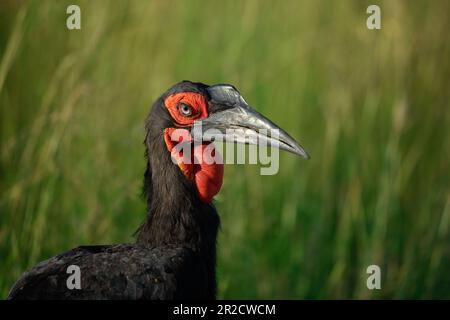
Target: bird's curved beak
x=231 y=119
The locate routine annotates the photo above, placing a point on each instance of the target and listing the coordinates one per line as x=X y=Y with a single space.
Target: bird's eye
x=185 y=109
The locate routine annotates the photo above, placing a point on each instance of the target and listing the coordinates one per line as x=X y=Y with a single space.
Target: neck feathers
x=175 y=214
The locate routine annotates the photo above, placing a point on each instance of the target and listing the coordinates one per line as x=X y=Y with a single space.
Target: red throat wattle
x=206 y=174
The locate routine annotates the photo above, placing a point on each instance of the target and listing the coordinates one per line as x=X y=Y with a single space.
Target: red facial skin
x=207 y=178
x=195 y=100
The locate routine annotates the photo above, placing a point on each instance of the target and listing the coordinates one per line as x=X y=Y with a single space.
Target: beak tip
x=301 y=152
x=297 y=149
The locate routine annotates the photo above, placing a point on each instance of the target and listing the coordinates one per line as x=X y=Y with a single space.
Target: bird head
x=191 y=116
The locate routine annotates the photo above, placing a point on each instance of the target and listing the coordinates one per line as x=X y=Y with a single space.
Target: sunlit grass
x=372 y=108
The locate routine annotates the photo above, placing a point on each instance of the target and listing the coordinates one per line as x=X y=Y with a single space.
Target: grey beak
x=233 y=120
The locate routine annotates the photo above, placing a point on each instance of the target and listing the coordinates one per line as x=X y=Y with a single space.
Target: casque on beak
x=231 y=119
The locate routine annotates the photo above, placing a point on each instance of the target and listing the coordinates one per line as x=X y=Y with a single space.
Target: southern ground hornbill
x=174 y=256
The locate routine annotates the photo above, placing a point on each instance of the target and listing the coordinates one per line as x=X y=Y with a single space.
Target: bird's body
x=174 y=256
x=123 y=271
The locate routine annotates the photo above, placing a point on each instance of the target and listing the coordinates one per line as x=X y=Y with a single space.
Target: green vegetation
x=371 y=107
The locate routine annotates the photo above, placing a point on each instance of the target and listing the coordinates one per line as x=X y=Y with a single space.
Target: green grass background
x=371 y=107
